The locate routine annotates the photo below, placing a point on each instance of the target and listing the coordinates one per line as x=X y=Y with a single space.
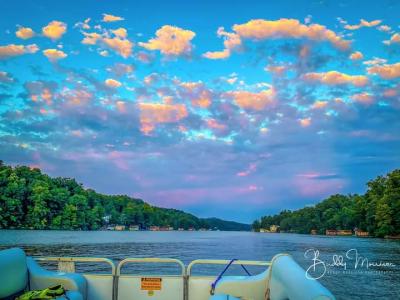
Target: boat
x=281 y=278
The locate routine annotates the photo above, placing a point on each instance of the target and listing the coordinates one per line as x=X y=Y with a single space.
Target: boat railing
x=225 y=262
x=201 y=286
x=67 y=265
x=152 y=260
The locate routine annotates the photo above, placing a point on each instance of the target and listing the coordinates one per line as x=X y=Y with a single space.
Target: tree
x=12 y=199
x=80 y=204
x=38 y=211
x=377 y=211
x=256 y=225
x=30 y=199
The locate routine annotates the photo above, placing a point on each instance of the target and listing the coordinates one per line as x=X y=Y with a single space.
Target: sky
x=232 y=109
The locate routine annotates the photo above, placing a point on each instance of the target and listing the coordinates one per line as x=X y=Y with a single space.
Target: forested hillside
x=32 y=200
x=227 y=225
x=377 y=211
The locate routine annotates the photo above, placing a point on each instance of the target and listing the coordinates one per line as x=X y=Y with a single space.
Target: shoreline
x=394 y=238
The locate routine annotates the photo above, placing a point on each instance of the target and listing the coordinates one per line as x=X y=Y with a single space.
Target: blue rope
x=214 y=284
x=244 y=268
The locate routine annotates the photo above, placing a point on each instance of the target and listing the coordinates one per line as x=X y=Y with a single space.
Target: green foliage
x=378 y=211
x=32 y=200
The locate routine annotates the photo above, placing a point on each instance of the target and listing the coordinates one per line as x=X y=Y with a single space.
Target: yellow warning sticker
x=151 y=284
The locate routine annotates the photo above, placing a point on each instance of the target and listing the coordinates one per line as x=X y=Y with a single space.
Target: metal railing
x=151 y=260
x=225 y=262
x=67 y=264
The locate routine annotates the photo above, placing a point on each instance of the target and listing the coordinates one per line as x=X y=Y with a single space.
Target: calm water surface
x=376 y=282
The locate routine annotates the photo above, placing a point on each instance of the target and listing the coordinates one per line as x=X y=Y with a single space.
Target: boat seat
x=223 y=297
x=16 y=268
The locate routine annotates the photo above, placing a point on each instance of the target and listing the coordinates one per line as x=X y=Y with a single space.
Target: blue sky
x=233 y=109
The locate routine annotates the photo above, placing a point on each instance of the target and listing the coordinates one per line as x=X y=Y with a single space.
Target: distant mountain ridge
x=30 y=199
x=228 y=225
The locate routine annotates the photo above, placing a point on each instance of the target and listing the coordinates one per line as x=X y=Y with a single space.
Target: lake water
x=375 y=282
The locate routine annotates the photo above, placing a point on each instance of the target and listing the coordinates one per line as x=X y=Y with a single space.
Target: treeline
x=32 y=200
x=377 y=211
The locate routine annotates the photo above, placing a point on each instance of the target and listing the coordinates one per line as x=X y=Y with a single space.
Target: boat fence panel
x=155 y=287
x=66 y=266
x=247 y=287
x=100 y=286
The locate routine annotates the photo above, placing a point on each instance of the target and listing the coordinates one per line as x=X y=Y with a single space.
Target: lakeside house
x=114 y=227
x=392 y=237
x=330 y=232
x=274 y=228
x=134 y=228
x=152 y=228
x=119 y=227
x=166 y=228
x=344 y=232
x=361 y=233
x=313 y=231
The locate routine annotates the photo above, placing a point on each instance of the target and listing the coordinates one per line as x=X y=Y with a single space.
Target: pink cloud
x=181 y=197
x=253 y=101
x=250 y=169
x=152 y=114
x=311 y=184
x=259 y=30
x=363 y=23
x=171 y=41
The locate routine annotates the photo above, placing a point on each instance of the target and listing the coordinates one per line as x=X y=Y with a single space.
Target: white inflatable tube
x=289 y=281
